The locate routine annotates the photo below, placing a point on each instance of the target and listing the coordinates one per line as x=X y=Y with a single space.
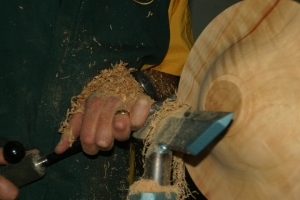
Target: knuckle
x=144 y=101
x=86 y=140
x=120 y=126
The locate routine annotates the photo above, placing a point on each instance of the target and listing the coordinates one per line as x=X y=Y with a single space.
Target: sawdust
x=179 y=184
x=178 y=177
x=145 y=186
x=109 y=82
x=168 y=107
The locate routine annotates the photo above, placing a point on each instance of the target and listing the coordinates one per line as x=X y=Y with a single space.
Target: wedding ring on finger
x=122 y=112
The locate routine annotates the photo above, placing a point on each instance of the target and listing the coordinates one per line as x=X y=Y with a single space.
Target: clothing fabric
x=181 y=38
x=49 y=51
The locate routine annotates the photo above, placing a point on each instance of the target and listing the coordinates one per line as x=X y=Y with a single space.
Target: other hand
x=7 y=189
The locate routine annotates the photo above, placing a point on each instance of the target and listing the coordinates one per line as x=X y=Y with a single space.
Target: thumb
x=7 y=189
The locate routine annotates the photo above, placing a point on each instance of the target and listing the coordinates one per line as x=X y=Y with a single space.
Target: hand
x=98 y=127
x=7 y=189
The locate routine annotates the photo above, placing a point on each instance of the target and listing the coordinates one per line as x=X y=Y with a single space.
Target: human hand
x=99 y=126
x=7 y=189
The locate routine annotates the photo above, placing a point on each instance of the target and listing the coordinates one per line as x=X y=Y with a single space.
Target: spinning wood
x=248 y=61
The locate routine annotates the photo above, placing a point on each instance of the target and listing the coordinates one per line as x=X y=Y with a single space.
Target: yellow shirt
x=181 y=39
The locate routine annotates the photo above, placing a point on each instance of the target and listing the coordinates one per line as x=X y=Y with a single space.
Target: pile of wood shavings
x=179 y=183
x=145 y=186
x=110 y=82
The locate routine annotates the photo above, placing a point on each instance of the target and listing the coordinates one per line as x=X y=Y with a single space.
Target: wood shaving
x=179 y=184
x=149 y=14
x=167 y=108
x=145 y=186
x=109 y=82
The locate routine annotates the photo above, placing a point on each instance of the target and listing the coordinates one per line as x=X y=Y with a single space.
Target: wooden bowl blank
x=248 y=61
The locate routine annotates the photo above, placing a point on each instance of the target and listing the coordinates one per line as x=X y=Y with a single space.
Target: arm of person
x=7 y=189
x=99 y=126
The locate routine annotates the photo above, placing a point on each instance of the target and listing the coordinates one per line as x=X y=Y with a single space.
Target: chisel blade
x=187 y=131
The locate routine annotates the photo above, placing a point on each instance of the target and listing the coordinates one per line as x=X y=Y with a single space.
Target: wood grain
x=247 y=61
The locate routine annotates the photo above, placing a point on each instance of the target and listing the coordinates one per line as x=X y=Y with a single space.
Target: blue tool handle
x=23 y=172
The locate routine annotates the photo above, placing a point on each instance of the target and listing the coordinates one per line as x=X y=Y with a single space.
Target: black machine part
x=13 y=152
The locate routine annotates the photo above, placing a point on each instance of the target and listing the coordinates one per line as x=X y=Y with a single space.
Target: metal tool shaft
x=158 y=164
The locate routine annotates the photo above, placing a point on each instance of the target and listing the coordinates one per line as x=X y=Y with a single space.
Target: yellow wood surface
x=247 y=61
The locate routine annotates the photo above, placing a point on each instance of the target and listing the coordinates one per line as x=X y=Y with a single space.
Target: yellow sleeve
x=181 y=38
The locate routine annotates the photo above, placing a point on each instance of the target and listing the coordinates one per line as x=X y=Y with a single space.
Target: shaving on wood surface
x=178 y=182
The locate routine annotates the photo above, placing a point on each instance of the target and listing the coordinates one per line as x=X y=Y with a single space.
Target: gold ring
x=122 y=112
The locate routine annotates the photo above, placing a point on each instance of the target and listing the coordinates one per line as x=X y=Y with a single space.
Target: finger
x=89 y=124
x=7 y=189
x=140 y=112
x=75 y=124
x=2 y=160
x=104 y=133
x=121 y=127
x=96 y=125
x=34 y=151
